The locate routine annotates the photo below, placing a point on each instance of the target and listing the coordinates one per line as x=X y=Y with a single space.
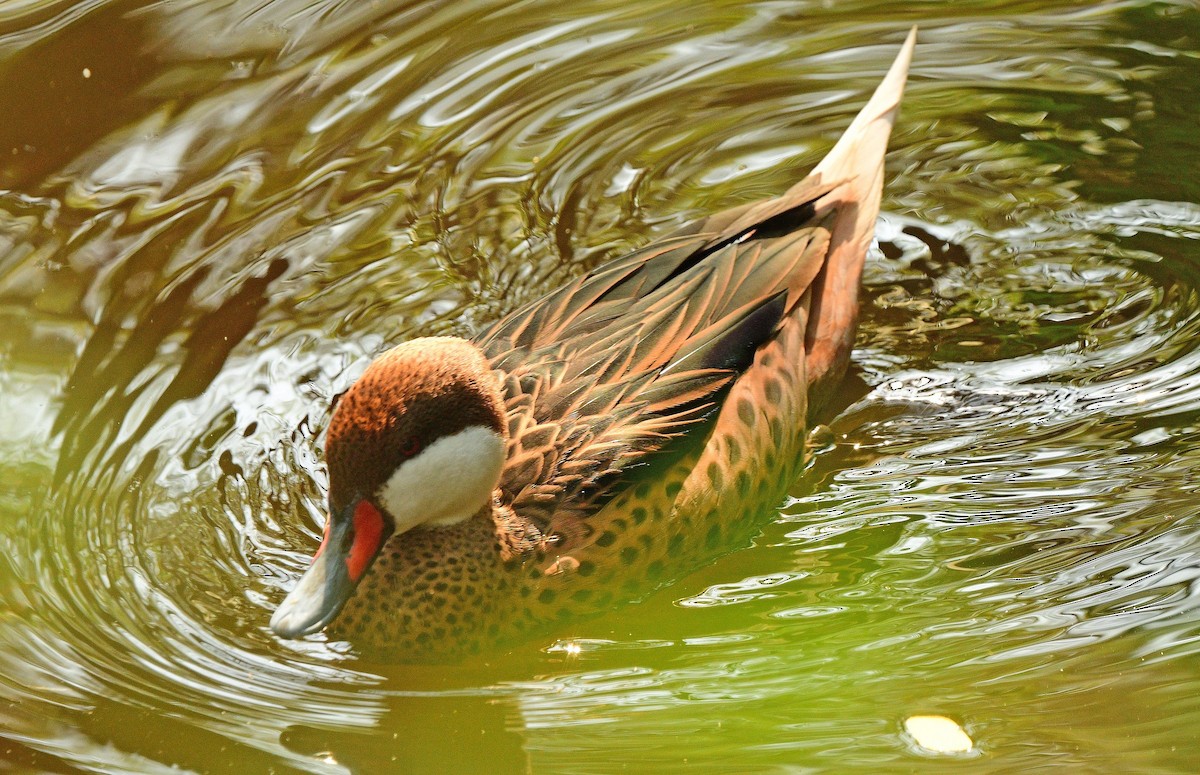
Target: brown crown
x=409 y=397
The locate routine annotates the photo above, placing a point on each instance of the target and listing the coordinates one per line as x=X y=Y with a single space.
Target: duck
x=603 y=440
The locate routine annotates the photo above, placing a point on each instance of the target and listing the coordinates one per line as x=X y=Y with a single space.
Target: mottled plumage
x=640 y=415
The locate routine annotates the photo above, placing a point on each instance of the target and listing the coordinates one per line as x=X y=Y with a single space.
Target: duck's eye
x=410 y=448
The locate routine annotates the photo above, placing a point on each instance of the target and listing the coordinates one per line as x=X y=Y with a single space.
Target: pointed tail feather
x=857 y=162
x=862 y=146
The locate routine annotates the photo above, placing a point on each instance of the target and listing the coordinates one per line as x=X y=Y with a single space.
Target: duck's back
x=629 y=364
x=659 y=400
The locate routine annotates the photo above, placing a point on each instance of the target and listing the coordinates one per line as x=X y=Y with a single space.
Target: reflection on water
x=213 y=214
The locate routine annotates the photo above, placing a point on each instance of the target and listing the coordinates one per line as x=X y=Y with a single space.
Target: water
x=214 y=213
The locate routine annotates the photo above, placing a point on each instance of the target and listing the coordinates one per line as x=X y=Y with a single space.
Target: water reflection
x=205 y=235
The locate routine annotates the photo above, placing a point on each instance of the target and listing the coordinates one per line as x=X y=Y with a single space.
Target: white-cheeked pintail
x=602 y=440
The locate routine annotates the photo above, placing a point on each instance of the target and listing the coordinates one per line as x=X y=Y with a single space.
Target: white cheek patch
x=447 y=482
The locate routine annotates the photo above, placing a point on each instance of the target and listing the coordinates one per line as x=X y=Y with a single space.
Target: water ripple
x=202 y=241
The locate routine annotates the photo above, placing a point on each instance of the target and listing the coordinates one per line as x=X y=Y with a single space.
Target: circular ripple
x=231 y=225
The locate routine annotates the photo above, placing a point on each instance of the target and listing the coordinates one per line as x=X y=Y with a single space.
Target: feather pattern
x=618 y=369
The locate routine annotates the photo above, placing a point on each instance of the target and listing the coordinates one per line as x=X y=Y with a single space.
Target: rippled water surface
x=213 y=213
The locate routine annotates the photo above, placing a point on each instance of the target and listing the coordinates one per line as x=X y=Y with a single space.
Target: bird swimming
x=599 y=441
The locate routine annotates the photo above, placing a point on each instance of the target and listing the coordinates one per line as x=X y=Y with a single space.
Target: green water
x=213 y=213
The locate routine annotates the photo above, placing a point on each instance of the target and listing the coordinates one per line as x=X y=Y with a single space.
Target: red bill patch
x=368 y=533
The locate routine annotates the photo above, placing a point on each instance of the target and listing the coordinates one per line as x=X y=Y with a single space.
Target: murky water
x=214 y=213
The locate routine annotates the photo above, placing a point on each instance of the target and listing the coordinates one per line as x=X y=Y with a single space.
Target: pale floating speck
x=938 y=734
x=87 y=72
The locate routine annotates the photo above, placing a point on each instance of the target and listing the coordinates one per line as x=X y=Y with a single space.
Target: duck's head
x=417 y=443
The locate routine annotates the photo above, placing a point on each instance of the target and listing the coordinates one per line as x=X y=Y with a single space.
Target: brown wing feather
x=605 y=375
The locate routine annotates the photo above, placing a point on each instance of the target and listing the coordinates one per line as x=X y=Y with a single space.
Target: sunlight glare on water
x=213 y=214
